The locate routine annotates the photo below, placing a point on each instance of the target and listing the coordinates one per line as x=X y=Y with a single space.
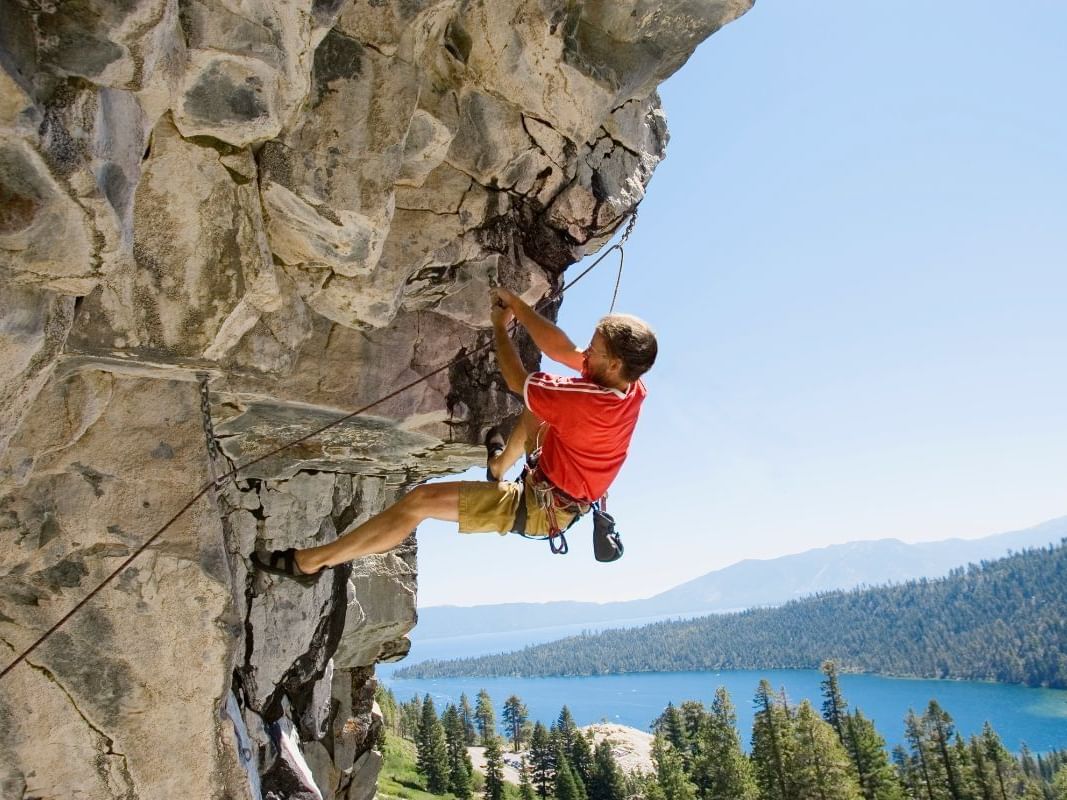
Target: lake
x=1036 y=717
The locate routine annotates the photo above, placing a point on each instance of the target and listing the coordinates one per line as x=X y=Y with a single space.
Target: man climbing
x=575 y=430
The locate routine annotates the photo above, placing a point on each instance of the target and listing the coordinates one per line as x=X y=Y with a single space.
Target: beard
x=590 y=374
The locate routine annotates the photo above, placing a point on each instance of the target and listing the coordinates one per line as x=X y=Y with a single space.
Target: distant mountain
x=1000 y=620
x=751 y=583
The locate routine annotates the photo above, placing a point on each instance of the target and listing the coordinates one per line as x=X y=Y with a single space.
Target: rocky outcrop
x=304 y=201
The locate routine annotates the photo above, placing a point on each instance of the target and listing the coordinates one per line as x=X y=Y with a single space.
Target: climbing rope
x=622 y=256
x=212 y=443
x=617 y=246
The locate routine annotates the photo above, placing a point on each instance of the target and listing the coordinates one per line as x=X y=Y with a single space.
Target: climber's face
x=597 y=361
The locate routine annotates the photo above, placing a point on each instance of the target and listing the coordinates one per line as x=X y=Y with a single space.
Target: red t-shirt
x=588 y=432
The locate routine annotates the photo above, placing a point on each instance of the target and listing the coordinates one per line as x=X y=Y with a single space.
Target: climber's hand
x=501 y=312
x=500 y=315
x=499 y=296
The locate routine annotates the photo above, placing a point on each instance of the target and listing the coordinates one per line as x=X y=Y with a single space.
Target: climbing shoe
x=494 y=446
x=283 y=562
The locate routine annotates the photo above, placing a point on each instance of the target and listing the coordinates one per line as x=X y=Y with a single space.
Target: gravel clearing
x=632 y=749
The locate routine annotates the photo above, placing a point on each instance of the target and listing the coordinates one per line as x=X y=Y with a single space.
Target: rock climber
x=575 y=431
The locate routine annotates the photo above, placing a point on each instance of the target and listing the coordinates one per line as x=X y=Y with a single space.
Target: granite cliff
x=303 y=201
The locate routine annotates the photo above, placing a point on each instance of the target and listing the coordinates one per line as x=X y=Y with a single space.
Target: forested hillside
x=751 y=583
x=1003 y=620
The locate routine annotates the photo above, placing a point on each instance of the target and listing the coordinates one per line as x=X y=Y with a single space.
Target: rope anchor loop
x=558 y=293
x=622 y=256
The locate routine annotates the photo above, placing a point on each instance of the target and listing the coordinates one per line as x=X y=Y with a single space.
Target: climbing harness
x=607 y=542
x=213 y=449
x=552 y=500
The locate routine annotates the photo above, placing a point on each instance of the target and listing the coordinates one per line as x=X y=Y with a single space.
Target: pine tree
x=466 y=713
x=671 y=725
x=721 y=771
x=945 y=762
x=907 y=773
x=484 y=717
x=453 y=726
x=670 y=771
x=460 y=781
x=771 y=744
x=581 y=757
x=564 y=730
x=924 y=779
x=460 y=768
x=542 y=759
x=985 y=781
x=515 y=715
x=422 y=727
x=1059 y=784
x=606 y=780
x=431 y=750
x=567 y=785
x=996 y=769
x=819 y=767
x=526 y=790
x=866 y=748
x=834 y=705
x=968 y=779
x=411 y=718
x=693 y=717
x=494 y=769
x=648 y=787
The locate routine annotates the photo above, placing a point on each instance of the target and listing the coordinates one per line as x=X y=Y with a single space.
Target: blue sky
x=854 y=258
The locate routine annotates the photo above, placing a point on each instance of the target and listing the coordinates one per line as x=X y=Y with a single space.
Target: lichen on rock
x=305 y=201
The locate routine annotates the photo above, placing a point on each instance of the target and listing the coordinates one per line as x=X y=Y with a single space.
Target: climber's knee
x=433 y=501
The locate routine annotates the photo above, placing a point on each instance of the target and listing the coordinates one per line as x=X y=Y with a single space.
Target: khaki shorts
x=490 y=507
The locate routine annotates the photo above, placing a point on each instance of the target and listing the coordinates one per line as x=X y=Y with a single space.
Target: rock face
x=305 y=202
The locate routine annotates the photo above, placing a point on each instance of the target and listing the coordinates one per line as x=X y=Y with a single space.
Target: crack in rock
x=111 y=753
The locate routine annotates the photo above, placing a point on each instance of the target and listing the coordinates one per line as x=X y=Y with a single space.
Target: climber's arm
x=507 y=357
x=548 y=337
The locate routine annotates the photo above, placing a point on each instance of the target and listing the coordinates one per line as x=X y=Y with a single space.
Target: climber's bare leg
x=387 y=529
x=523 y=438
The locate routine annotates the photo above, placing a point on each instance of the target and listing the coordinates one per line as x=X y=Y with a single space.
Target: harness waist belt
x=550 y=498
x=563 y=501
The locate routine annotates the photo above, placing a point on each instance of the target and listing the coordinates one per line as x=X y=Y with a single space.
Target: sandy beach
x=632 y=749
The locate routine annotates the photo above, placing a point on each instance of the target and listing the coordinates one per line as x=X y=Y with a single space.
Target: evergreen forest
x=559 y=761
x=796 y=753
x=1002 y=620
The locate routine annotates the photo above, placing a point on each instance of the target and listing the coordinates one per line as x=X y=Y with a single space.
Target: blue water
x=1036 y=717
